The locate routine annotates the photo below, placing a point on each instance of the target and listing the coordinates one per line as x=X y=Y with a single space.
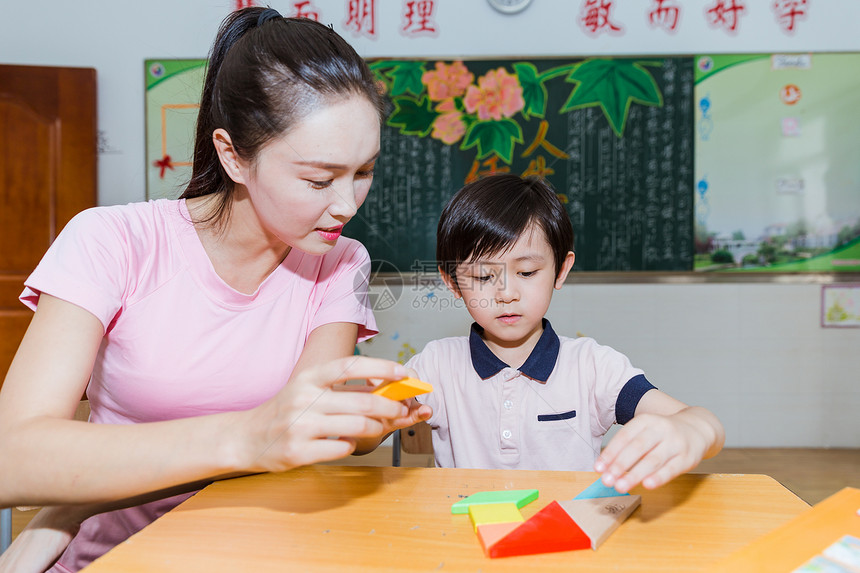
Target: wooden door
x=48 y=151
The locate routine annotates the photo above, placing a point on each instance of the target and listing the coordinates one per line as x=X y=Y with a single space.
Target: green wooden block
x=520 y=497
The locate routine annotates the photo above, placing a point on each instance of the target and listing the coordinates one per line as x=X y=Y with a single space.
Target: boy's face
x=509 y=293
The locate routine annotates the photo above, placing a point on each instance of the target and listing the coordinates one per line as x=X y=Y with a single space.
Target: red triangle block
x=549 y=530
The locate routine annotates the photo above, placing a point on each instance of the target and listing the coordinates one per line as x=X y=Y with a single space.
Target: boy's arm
x=664 y=439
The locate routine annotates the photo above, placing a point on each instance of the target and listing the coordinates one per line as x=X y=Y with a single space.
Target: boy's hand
x=664 y=439
x=417 y=413
x=651 y=449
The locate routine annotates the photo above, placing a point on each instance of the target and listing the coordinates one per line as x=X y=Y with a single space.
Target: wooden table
x=330 y=518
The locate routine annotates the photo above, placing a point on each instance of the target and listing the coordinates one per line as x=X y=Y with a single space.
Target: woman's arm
x=51 y=460
x=325 y=343
x=664 y=439
x=51 y=530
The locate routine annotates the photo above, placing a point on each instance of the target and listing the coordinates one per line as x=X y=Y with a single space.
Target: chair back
x=417 y=439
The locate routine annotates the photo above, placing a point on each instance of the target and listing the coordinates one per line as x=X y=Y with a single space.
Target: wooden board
x=790 y=546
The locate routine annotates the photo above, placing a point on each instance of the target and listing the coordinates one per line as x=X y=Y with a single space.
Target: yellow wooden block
x=485 y=514
x=403 y=389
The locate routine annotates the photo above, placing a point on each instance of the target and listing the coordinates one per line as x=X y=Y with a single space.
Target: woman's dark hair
x=265 y=74
x=486 y=217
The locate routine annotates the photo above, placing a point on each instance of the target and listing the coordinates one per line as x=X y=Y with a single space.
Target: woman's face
x=307 y=184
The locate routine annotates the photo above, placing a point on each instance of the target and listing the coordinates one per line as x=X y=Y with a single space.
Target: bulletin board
x=777 y=170
x=613 y=136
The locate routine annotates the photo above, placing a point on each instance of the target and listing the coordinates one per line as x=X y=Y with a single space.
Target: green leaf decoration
x=557 y=71
x=378 y=68
x=534 y=92
x=497 y=137
x=413 y=117
x=406 y=77
x=613 y=85
x=469 y=120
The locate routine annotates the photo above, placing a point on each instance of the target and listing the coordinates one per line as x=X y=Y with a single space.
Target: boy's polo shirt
x=550 y=414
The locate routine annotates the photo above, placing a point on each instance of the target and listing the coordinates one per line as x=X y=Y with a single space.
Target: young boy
x=515 y=395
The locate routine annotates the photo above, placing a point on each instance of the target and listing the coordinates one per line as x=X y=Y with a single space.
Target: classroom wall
x=752 y=352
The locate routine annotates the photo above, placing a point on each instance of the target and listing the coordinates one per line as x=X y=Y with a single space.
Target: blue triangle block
x=597 y=489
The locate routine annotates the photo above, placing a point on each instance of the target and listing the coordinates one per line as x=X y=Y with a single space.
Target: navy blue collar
x=538 y=366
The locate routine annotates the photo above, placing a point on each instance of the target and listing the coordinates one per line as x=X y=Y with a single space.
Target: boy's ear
x=450 y=283
x=565 y=269
x=230 y=160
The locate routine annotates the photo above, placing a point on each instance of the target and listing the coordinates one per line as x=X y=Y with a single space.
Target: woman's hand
x=308 y=421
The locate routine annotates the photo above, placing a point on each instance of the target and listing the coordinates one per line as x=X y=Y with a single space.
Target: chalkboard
x=614 y=136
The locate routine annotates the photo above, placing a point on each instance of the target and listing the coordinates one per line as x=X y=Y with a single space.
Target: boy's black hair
x=486 y=217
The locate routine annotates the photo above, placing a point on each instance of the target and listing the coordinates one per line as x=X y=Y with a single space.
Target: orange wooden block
x=403 y=389
x=490 y=533
x=549 y=530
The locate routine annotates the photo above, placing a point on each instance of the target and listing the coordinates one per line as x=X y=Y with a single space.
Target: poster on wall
x=172 y=100
x=840 y=305
x=777 y=184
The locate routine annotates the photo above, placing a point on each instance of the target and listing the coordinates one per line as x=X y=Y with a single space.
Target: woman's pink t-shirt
x=179 y=341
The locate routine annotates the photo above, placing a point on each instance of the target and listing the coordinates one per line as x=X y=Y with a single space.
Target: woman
x=207 y=331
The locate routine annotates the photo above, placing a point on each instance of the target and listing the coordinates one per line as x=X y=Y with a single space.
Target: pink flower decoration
x=446 y=106
x=447 y=81
x=497 y=95
x=448 y=128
